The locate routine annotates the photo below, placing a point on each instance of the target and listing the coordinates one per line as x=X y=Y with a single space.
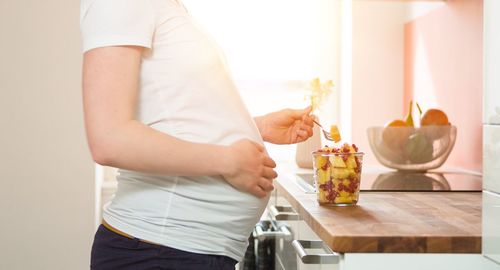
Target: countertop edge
x=368 y=244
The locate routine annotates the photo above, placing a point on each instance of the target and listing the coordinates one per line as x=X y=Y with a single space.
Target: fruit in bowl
x=394 y=136
x=405 y=146
x=434 y=117
x=337 y=174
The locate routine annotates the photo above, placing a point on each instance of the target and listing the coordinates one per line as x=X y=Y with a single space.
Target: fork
x=327 y=134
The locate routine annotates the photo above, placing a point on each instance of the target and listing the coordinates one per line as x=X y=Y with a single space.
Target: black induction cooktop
x=385 y=180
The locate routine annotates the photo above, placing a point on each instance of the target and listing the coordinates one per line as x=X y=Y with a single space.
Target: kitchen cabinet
x=491 y=158
x=306 y=250
x=491 y=27
x=491 y=131
x=491 y=225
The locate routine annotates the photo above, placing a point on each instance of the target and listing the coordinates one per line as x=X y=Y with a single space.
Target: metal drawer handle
x=329 y=257
x=282 y=232
x=279 y=212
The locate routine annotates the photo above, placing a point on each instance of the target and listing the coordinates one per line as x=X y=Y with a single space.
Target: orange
x=396 y=123
x=395 y=134
x=434 y=117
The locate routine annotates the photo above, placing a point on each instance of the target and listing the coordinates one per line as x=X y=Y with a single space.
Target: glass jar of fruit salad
x=337 y=174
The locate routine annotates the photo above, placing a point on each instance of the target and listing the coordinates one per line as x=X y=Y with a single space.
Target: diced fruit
x=321 y=161
x=340 y=173
x=343 y=200
x=337 y=162
x=346 y=182
x=345 y=194
x=337 y=174
x=335 y=133
x=323 y=176
x=351 y=162
x=322 y=197
x=346 y=148
x=337 y=181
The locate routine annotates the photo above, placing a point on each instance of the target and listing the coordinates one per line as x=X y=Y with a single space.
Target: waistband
x=115 y=230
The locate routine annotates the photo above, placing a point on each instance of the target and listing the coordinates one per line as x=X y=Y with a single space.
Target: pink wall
x=443 y=69
x=377 y=67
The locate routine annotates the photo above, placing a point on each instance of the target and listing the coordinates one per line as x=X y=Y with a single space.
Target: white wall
x=46 y=173
x=274 y=48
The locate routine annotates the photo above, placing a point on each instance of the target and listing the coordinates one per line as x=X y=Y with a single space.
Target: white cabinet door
x=301 y=231
x=491 y=13
x=394 y=261
x=491 y=226
x=306 y=233
x=491 y=157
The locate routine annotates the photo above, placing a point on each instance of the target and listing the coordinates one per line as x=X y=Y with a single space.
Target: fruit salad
x=337 y=174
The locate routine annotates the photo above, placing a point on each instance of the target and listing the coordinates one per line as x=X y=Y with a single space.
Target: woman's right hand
x=249 y=168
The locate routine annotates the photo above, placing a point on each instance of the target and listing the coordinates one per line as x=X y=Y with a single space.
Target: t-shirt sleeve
x=116 y=22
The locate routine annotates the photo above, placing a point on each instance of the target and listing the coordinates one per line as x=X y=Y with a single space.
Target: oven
x=282 y=241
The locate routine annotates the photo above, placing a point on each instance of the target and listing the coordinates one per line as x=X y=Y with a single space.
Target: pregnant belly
x=193 y=203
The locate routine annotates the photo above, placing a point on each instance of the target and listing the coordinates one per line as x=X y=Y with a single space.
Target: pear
x=418 y=148
x=409 y=116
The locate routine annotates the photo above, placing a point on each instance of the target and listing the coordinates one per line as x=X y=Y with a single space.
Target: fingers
x=259 y=146
x=258 y=192
x=307 y=128
x=266 y=185
x=302 y=132
x=304 y=119
x=302 y=135
x=299 y=114
x=262 y=187
x=269 y=162
x=269 y=173
x=308 y=110
x=308 y=120
x=305 y=111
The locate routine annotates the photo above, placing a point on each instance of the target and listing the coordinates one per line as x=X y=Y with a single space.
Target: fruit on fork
x=333 y=135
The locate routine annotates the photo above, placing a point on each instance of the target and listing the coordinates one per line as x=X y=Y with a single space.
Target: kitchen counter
x=392 y=222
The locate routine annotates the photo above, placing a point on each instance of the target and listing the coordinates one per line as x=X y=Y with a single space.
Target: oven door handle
x=279 y=212
x=329 y=257
x=282 y=232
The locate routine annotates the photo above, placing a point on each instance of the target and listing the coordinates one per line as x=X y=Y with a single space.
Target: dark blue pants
x=112 y=251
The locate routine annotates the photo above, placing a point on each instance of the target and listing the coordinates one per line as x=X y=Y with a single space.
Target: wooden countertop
x=393 y=222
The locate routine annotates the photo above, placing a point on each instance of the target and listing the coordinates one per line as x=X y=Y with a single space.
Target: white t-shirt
x=187 y=92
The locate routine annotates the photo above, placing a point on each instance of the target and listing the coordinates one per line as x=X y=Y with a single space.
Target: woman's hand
x=249 y=168
x=286 y=126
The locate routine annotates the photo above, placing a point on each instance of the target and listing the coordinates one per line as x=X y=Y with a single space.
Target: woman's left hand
x=286 y=126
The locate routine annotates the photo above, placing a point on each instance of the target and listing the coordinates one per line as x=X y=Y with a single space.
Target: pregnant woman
x=160 y=105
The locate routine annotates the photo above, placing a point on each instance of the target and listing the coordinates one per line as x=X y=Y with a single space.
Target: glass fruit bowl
x=337 y=176
x=412 y=149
